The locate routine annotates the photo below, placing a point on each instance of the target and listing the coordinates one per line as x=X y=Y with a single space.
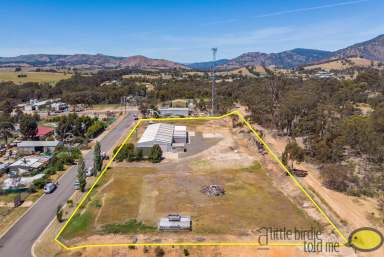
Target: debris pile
x=213 y=190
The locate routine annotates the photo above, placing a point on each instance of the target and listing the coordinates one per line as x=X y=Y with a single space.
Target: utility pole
x=214 y=51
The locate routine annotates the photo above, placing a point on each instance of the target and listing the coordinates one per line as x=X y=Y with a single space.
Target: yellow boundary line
x=273 y=155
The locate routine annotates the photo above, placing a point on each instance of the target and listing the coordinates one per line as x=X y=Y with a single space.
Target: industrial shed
x=30 y=147
x=157 y=134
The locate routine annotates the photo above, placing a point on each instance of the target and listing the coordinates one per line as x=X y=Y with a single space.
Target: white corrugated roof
x=158 y=132
x=184 y=222
x=39 y=143
x=180 y=128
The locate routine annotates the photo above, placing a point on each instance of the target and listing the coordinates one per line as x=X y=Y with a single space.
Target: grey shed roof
x=39 y=143
x=157 y=133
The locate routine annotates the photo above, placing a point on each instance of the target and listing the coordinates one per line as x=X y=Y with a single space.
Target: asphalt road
x=18 y=241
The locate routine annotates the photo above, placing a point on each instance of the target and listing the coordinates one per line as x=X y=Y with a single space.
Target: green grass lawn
x=131 y=226
x=79 y=225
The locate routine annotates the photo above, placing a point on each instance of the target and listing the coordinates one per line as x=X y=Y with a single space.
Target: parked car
x=89 y=172
x=104 y=156
x=49 y=187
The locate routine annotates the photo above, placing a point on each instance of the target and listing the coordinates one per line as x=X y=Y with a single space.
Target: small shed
x=180 y=134
x=175 y=222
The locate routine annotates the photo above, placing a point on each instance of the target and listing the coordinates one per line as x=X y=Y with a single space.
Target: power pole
x=214 y=51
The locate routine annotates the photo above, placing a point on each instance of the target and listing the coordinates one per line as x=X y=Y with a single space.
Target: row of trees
x=129 y=153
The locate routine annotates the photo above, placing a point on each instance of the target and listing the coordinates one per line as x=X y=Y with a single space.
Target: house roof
x=159 y=133
x=173 y=109
x=32 y=162
x=39 y=143
x=43 y=131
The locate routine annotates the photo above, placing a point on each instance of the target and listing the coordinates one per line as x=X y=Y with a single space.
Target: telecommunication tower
x=214 y=51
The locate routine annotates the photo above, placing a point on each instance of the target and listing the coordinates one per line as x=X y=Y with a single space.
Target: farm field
x=41 y=77
x=131 y=197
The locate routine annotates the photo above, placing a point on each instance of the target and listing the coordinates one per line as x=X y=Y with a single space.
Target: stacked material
x=213 y=190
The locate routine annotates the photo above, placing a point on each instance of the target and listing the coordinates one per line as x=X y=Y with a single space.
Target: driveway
x=18 y=241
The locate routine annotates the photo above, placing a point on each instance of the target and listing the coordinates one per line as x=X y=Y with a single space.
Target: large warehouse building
x=164 y=135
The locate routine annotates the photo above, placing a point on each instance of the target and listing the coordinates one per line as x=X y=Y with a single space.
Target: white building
x=30 y=147
x=180 y=134
x=164 y=135
x=59 y=107
x=157 y=134
x=28 y=164
x=174 y=112
x=175 y=222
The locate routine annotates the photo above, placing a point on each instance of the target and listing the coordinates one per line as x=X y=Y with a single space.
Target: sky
x=184 y=30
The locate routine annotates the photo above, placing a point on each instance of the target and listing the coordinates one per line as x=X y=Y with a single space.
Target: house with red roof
x=44 y=132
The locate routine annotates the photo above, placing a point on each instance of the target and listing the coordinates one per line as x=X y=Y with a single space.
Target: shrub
x=40 y=183
x=132 y=226
x=337 y=177
x=65 y=157
x=95 y=129
x=76 y=153
x=70 y=203
x=139 y=154
x=159 y=252
x=155 y=154
x=59 y=213
x=50 y=171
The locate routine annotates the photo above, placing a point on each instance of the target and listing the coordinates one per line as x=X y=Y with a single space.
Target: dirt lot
x=254 y=187
x=141 y=192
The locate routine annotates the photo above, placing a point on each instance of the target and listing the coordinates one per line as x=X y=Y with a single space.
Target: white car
x=49 y=187
x=89 y=172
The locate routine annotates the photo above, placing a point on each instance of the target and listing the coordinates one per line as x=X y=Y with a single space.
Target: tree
x=139 y=154
x=59 y=213
x=95 y=129
x=155 y=154
x=5 y=130
x=127 y=152
x=98 y=162
x=131 y=156
x=293 y=152
x=28 y=126
x=81 y=174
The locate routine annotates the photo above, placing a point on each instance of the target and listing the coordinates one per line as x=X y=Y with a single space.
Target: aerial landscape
x=192 y=128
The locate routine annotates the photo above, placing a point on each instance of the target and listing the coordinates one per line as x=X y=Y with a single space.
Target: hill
x=371 y=50
x=88 y=61
x=286 y=59
x=207 y=65
x=342 y=64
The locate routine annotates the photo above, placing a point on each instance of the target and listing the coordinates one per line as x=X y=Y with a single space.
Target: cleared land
x=132 y=197
x=41 y=77
x=342 y=64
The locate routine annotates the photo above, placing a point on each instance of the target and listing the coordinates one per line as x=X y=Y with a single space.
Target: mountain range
x=372 y=50
x=89 y=61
